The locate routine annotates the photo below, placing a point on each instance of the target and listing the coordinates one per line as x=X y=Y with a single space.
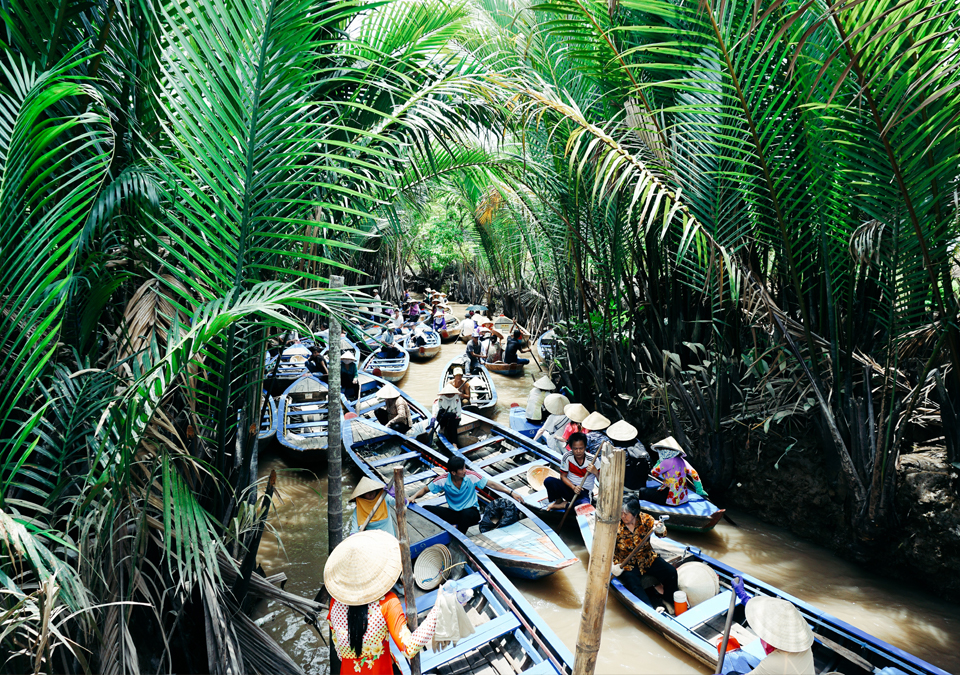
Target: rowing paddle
x=726 y=633
x=582 y=481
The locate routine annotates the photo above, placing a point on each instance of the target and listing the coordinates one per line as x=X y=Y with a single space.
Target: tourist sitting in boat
x=784 y=635
x=634 y=526
x=536 y=397
x=367 y=496
x=594 y=426
x=460 y=488
x=576 y=413
x=348 y=375
x=448 y=412
x=556 y=420
x=388 y=347
x=419 y=335
x=437 y=321
x=473 y=354
x=395 y=412
x=676 y=475
x=515 y=344
x=578 y=475
x=364 y=613
x=468 y=325
x=622 y=434
x=413 y=312
x=395 y=322
x=316 y=363
x=462 y=385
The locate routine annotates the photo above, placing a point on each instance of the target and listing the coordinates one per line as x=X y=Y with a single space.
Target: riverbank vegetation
x=742 y=216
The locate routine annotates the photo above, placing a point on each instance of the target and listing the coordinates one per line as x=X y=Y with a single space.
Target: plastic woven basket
x=429 y=566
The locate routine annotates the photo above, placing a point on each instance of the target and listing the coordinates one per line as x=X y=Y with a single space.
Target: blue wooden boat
x=697 y=515
x=838 y=646
x=483 y=391
x=527 y=549
x=268 y=425
x=510 y=636
x=302 y=413
x=507 y=369
x=345 y=343
x=392 y=369
x=427 y=351
x=292 y=364
x=545 y=345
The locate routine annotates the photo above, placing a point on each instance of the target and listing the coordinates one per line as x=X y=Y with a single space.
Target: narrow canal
x=894 y=611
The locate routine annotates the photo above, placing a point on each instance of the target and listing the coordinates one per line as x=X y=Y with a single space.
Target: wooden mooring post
x=409 y=594
x=601 y=559
x=334 y=471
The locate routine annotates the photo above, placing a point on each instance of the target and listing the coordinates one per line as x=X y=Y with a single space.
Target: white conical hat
x=449 y=390
x=555 y=403
x=363 y=567
x=622 y=431
x=388 y=391
x=668 y=448
x=779 y=624
x=348 y=356
x=576 y=412
x=698 y=581
x=596 y=422
x=366 y=485
x=545 y=383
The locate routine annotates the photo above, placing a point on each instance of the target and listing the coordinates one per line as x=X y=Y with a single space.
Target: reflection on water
x=909 y=619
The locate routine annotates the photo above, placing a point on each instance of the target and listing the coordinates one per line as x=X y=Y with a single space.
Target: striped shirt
x=575 y=472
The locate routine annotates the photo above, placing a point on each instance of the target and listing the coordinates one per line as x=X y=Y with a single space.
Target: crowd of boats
x=509 y=635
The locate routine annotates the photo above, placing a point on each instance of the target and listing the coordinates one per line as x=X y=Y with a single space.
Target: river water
x=913 y=620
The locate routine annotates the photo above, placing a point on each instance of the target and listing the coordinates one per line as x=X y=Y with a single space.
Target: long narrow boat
x=510 y=636
x=545 y=345
x=292 y=364
x=391 y=368
x=483 y=392
x=527 y=549
x=427 y=351
x=521 y=463
x=453 y=327
x=838 y=647
x=302 y=421
x=268 y=425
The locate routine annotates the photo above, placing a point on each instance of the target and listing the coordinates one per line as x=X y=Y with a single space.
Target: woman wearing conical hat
x=555 y=422
x=594 y=426
x=676 y=474
x=576 y=413
x=536 y=398
x=785 y=637
x=364 y=613
x=367 y=497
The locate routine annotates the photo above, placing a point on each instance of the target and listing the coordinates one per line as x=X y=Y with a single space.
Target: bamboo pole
x=601 y=559
x=409 y=596
x=334 y=472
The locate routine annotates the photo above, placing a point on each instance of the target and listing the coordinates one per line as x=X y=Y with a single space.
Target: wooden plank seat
x=493 y=459
x=300 y=425
x=705 y=610
x=489 y=631
x=393 y=460
x=522 y=469
x=419 y=476
x=481 y=444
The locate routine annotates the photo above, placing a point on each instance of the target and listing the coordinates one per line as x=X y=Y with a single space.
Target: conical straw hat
x=698 y=581
x=668 y=448
x=545 y=383
x=363 y=567
x=366 y=485
x=348 y=356
x=555 y=403
x=537 y=474
x=576 y=412
x=387 y=392
x=449 y=390
x=622 y=431
x=596 y=422
x=779 y=624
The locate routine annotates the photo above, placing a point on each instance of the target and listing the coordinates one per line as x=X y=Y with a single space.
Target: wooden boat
x=428 y=351
x=545 y=345
x=505 y=325
x=392 y=369
x=510 y=636
x=268 y=425
x=368 y=402
x=501 y=368
x=483 y=392
x=346 y=344
x=453 y=327
x=838 y=647
x=697 y=515
x=292 y=364
x=527 y=549
x=302 y=420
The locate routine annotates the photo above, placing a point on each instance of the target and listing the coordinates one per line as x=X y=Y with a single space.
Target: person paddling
x=578 y=475
x=675 y=472
x=460 y=488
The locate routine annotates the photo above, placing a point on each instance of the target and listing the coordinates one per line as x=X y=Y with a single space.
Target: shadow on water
x=918 y=623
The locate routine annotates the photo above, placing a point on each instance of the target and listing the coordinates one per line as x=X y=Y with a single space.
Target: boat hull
x=302 y=422
x=483 y=399
x=520 y=423
x=425 y=352
x=391 y=369
x=506 y=369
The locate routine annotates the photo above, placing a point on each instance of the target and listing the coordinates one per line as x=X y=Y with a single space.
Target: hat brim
x=363 y=568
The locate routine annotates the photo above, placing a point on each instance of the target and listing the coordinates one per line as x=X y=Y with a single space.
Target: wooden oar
x=582 y=481
x=726 y=632
x=376 y=505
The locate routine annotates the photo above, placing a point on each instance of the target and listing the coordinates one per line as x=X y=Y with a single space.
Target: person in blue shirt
x=460 y=488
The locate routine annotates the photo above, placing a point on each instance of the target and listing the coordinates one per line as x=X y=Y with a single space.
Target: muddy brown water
x=917 y=622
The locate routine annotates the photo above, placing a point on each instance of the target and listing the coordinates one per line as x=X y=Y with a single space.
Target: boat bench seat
x=481 y=444
x=493 y=459
x=420 y=476
x=705 y=610
x=518 y=471
x=394 y=459
x=486 y=632
x=301 y=425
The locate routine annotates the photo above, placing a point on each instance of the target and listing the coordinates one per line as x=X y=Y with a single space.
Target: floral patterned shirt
x=675 y=474
x=627 y=541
